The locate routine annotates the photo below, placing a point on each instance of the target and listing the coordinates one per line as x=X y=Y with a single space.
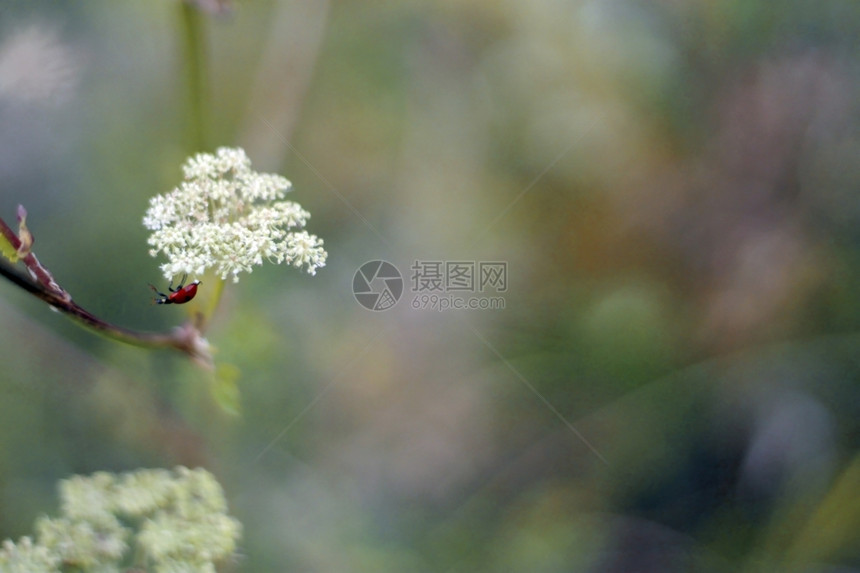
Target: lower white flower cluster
x=229 y=218
x=181 y=516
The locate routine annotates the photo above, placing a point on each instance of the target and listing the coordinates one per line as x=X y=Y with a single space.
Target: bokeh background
x=673 y=383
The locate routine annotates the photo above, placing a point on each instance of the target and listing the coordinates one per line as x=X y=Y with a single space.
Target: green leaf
x=7 y=250
x=225 y=389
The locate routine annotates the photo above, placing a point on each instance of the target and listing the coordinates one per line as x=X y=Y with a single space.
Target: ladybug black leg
x=163 y=296
x=181 y=284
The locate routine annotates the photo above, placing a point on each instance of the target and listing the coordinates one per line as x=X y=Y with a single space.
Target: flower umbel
x=172 y=520
x=228 y=218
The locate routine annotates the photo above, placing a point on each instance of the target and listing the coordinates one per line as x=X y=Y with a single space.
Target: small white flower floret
x=228 y=218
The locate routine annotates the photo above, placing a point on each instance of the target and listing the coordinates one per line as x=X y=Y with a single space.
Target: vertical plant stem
x=196 y=76
x=215 y=298
x=203 y=307
x=196 y=85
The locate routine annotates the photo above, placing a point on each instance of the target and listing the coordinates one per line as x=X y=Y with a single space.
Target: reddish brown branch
x=41 y=284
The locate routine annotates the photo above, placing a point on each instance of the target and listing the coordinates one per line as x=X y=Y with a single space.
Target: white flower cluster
x=182 y=516
x=228 y=218
x=27 y=557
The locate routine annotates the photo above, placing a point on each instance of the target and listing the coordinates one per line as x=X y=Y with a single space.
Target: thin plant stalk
x=196 y=76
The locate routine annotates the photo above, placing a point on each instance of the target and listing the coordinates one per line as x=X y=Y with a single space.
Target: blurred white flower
x=177 y=521
x=36 y=67
x=228 y=218
x=27 y=557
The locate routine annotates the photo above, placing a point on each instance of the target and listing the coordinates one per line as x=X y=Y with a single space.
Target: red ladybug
x=178 y=295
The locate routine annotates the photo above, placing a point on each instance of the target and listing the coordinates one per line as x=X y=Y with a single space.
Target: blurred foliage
x=673 y=186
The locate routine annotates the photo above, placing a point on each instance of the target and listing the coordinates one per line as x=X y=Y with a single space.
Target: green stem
x=196 y=75
x=215 y=298
x=202 y=308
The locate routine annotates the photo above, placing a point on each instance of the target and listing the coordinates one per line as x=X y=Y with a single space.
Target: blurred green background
x=673 y=383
